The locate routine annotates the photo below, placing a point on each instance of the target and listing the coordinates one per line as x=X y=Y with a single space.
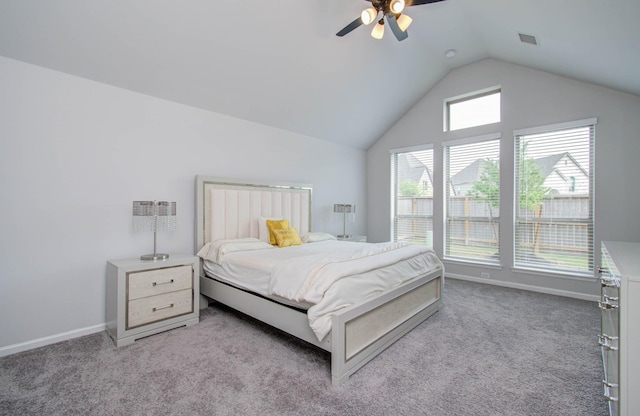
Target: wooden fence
x=557 y=226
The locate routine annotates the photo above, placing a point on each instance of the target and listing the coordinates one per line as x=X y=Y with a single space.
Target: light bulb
x=397 y=6
x=368 y=15
x=404 y=21
x=378 y=30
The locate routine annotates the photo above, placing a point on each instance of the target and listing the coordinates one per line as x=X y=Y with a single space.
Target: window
x=554 y=198
x=472 y=199
x=472 y=110
x=412 y=195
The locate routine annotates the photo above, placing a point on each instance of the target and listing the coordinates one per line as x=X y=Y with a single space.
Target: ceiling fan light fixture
x=396 y=6
x=378 y=30
x=369 y=15
x=404 y=21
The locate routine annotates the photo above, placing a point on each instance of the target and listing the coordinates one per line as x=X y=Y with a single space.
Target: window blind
x=412 y=195
x=553 y=228
x=472 y=200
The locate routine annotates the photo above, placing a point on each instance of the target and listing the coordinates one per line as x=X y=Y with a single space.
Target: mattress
x=320 y=277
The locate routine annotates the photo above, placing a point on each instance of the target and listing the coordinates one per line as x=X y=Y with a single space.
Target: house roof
x=548 y=163
x=411 y=167
x=279 y=63
x=470 y=173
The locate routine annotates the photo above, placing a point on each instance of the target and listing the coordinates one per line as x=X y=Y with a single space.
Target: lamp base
x=344 y=236
x=157 y=256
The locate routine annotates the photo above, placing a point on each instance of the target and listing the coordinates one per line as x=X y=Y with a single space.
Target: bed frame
x=228 y=208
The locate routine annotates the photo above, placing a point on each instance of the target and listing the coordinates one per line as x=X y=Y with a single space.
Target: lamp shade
x=378 y=30
x=404 y=21
x=154 y=216
x=397 y=6
x=368 y=15
x=344 y=208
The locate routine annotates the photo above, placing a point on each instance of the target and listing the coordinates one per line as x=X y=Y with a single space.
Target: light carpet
x=488 y=351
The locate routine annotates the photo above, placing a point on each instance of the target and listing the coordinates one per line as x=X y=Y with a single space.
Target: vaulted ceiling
x=280 y=63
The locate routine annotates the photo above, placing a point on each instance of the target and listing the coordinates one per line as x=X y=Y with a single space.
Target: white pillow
x=263 y=231
x=316 y=236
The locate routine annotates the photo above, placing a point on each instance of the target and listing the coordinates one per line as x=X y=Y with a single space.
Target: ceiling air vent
x=530 y=39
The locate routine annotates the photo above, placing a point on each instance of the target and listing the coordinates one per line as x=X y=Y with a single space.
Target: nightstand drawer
x=155 y=308
x=159 y=281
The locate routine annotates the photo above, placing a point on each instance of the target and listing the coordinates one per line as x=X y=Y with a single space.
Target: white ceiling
x=279 y=62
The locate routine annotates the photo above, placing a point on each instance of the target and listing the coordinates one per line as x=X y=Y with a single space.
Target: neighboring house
x=412 y=168
x=462 y=182
x=563 y=175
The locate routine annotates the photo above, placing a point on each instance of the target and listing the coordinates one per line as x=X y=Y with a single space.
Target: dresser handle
x=607 y=387
x=163 y=307
x=163 y=283
x=607 y=282
x=606 y=306
x=603 y=341
x=613 y=298
x=608 y=337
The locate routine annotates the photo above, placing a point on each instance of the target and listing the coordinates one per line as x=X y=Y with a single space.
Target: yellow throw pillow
x=276 y=225
x=288 y=237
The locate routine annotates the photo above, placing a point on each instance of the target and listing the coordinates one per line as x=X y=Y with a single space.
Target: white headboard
x=231 y=208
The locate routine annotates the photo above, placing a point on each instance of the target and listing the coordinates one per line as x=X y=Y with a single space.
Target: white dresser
x=147 y=297
x=620 y=326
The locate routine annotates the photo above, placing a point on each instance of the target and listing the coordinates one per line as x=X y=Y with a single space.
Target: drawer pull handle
x=608 y=283
x=607 y=391
x=163 y=307
x=602 y=269
x=168 y=282
x=613 y=298
x=606 y=306
x=603 y=341
x=608 y=337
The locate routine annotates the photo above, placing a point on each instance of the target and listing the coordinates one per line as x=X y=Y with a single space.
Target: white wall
x=74 y=154
x=529 y=98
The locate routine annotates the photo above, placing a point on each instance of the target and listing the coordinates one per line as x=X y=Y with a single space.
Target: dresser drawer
x=156 y=308
x=156 y=282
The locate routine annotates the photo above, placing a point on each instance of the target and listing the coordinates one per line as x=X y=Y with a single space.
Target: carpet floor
x=488 y=351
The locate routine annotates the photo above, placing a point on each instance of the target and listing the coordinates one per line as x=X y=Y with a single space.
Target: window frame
x=393 y=156
x=468 y=97
x=589 y=221
x=445 y=199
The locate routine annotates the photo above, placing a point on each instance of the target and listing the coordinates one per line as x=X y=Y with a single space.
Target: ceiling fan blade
x=348 y=28
x=419 y=2
x=393 y=24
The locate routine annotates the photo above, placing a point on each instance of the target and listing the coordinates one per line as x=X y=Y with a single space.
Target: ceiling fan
x=392 y=10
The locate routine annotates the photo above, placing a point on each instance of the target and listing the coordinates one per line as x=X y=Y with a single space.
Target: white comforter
x=324 y=276
x=337 y=280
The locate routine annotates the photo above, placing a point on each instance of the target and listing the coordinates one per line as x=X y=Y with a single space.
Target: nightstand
x=356 y=238
x=147 y=297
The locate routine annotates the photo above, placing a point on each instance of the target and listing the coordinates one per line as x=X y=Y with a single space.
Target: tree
x=532 y=191
x=411 y=188
x=531 y=185
x=487 y=189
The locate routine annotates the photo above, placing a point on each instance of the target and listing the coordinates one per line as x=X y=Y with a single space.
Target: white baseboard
x=522 y=286
x=41 y=342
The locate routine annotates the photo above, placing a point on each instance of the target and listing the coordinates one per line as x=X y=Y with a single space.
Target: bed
x=343 y=317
